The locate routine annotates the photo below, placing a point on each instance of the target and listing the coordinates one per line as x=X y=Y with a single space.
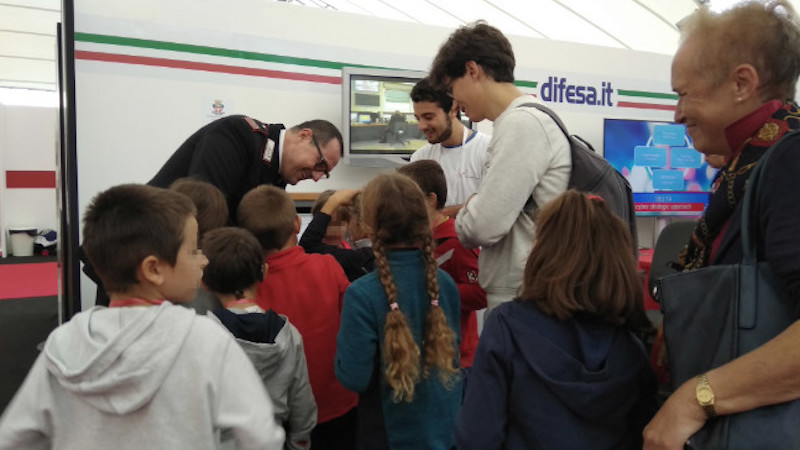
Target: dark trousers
x=336 y=434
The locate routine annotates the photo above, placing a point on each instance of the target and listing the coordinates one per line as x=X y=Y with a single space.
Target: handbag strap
x=748 y=283
x=750 y=205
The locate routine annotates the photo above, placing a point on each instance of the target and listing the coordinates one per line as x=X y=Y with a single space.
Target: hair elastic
x=595 y=197
x=435 y=302
x=394 y=306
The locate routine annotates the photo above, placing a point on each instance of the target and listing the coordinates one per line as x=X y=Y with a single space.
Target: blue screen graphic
x=668 y=176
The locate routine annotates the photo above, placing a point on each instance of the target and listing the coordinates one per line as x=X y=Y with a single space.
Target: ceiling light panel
x=628 y=22
x=54 y=5
x=672 y=11
x=556 y=22
x=472 y=10
x=427 y=12
x=382 y=9
x=347 y=6
x=31 y=46
x=28 y=19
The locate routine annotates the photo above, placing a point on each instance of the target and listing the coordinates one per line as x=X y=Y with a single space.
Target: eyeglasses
x=448 y=86
x=322 y=165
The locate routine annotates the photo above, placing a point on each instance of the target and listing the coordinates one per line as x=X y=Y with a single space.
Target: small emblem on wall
x=216 y=108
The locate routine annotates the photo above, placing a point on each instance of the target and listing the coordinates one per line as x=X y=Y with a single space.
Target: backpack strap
x=552 y=115
x=530 y=205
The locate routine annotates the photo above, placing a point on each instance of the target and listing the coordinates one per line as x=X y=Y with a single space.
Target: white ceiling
x=28 y=43
x=28 y=27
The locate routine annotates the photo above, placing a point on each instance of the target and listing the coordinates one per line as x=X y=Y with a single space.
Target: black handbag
x=718 y=313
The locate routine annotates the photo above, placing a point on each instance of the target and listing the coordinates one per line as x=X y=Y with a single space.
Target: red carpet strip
x=28 y=280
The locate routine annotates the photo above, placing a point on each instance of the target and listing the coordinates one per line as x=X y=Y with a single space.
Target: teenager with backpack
x=528 y=161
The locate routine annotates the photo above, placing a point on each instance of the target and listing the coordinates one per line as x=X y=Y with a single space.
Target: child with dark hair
x=212 y=208
x=560 y=366
x=212 y=213
x=336 y=231
x=235 y=267
x=141 y=373
x=337 y=207
x=308 y=289
x=398 y=342
x=459 y=262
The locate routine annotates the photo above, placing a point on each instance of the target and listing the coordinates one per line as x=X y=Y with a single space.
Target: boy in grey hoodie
x=236 y=266
x=142 y=373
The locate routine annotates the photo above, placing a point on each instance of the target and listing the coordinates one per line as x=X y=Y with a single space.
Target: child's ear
x=151 y=270
x=297 y=223
x=432 y=199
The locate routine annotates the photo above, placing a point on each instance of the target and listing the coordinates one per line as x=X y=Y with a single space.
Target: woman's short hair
x=765 y=35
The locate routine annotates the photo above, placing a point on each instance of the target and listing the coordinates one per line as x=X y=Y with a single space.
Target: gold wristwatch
x=705 y=396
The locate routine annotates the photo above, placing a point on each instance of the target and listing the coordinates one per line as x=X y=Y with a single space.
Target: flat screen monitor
x=380 y=128
x=667 y=175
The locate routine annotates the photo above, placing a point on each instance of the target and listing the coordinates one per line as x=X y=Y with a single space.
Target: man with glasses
x=528 y=161
x=237 y=153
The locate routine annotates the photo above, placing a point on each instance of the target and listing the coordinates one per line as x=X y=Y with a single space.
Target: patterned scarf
x=729 y=186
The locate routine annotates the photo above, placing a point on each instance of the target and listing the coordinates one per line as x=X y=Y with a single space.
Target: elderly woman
x=735 y=75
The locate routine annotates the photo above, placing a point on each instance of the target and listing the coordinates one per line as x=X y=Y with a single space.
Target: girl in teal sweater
x=399 y=335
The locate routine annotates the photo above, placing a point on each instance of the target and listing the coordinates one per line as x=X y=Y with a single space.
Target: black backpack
x=592 y=173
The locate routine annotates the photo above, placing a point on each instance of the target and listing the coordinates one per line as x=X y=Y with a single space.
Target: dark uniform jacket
x=235 y=154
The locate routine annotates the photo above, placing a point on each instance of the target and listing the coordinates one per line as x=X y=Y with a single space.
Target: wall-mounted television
x=380 y=129
x=667 y=175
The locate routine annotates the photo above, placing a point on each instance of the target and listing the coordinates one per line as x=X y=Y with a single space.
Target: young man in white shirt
x=528 y=161
x=460 y=151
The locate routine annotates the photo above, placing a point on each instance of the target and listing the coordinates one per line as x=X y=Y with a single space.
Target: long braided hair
x=394 y=210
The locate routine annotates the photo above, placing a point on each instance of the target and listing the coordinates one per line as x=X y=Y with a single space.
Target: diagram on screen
x=665 y=158
x=667 y=174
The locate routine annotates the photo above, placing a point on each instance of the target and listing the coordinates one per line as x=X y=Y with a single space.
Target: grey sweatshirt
x=136 y=378
x=528 y=154
x=281 y=364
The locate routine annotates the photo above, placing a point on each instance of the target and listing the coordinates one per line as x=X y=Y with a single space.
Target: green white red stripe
x=175 y=55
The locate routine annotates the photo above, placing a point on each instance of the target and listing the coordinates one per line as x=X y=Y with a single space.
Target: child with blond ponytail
x=399 y=335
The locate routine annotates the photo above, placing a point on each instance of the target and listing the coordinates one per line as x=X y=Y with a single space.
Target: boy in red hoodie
x=308 y=289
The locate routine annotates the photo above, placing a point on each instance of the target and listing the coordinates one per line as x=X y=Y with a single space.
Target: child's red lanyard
x=241 y=303
x=134 y=302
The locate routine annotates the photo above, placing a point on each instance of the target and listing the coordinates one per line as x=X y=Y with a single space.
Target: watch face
x=704 y=396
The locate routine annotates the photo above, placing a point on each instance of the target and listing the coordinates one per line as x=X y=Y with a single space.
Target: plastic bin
x=21 y=240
